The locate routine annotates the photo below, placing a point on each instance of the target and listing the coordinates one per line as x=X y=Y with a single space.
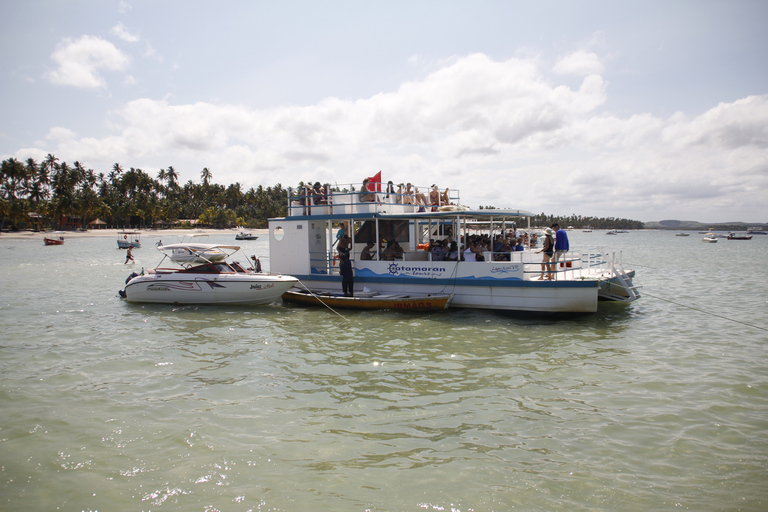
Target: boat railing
x=349 y=199
x=569 y=266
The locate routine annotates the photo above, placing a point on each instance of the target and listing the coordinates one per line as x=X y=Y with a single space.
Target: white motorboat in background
x=244 y=235
x=212 y=282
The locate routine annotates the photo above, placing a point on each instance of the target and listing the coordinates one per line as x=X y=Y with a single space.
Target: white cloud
x=497 y=130
x=579 y=63
x=121 y=31
x=79 y=62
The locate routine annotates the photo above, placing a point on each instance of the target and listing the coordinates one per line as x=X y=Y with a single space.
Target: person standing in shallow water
x=347 y=276
x=129 y=255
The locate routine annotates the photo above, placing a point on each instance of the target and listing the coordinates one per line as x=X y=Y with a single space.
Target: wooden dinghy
x=369 y=300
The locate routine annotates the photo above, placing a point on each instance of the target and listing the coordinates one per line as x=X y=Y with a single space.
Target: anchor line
x=701 y=310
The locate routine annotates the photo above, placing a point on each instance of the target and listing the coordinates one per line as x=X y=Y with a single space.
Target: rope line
x=705 y=312
x=321 y=301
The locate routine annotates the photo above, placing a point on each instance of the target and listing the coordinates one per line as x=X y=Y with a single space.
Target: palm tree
x=206 y=176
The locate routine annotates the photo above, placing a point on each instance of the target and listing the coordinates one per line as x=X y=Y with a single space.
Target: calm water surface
x=106 y=405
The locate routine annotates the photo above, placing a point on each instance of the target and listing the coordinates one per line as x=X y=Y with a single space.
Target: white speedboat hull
x=190 y=288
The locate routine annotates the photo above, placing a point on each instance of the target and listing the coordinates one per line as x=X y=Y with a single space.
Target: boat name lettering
x=262 y=286
x=504 y=269
x=395 y=269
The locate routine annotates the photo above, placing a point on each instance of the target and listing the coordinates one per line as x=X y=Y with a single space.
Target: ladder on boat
x=617 y=271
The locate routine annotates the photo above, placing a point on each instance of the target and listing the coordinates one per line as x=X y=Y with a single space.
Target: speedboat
x=244 y=235
x=734 y=236
x=54 y=241
x=128 y=239
x=712 y=239
x=306 y=244
x=682 y=234
x=224 y=282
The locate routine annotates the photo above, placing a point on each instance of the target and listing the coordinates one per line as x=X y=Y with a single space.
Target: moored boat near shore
x=126 y=239
x=400 y=236
x=53 y=241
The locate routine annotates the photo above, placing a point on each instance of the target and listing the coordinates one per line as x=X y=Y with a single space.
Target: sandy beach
x=112 y=233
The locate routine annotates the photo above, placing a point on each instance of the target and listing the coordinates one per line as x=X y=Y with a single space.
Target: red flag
x=375 y=182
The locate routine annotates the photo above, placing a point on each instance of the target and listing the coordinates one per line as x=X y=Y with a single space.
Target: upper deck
x=351 y=200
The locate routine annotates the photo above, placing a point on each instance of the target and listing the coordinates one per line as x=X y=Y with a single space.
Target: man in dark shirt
x=347 y=276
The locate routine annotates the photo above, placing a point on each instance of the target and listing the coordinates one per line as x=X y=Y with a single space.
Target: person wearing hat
x=318 y=194
x=434 y=197
x=549 y=253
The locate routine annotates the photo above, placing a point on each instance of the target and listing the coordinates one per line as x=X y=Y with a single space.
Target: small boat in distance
x=683 y=234
x=734 y=236
x=126 y=239
x=210 y=283
x=710 y=238
x=369 y=300
x=54 y=241
x=756 y=231
x=244 y=235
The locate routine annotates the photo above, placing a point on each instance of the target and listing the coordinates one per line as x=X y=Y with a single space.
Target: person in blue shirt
x=561 y=242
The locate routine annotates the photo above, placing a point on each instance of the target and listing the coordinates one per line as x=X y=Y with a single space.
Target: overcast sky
x=648 y=110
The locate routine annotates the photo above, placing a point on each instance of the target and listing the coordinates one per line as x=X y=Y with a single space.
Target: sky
x=648 y=110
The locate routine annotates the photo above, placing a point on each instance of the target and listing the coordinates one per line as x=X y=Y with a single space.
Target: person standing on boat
x=129 y=255
x=347 y=276
x=561 y=242
x=549 y=252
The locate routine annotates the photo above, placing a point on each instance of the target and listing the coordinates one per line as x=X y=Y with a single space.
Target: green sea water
x=658 y=405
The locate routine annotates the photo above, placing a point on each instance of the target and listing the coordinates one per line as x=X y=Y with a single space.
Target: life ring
x=125 y=237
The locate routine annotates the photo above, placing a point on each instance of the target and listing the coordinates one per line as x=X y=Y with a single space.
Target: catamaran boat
x=126 y=239
x=304 y=244
x=212 y=282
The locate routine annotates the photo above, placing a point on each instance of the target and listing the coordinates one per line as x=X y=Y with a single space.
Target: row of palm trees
x=54 y=194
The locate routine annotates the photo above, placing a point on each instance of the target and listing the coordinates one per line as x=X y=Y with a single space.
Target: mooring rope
x=694 y=308
x=321 y=301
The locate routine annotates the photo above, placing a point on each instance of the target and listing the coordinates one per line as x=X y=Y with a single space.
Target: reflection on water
x=111 y=405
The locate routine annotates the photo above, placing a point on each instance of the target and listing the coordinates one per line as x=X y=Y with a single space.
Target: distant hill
x=695 y=225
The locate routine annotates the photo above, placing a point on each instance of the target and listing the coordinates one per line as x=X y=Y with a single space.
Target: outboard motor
x=133 y=274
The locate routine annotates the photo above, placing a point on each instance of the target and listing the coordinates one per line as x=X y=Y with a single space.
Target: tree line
x=54 y=194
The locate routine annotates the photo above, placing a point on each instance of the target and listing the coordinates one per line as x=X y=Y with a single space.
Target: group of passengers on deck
x=447 y=249
x=320 y=195
x=406 y=194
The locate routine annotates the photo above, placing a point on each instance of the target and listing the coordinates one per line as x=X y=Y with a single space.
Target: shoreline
x=112 y=233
